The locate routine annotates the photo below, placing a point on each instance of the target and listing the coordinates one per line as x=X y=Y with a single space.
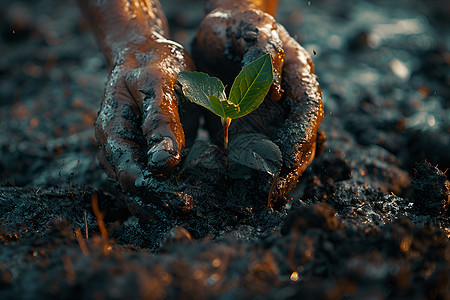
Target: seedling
x=247 y=92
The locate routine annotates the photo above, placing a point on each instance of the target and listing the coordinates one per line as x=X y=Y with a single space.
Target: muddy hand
x=235 y=32
x=297 y=138
x=138 y=126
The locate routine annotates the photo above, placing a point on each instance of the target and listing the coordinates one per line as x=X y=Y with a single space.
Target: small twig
x=85 y=226
x=81 y=242
x=99 y=216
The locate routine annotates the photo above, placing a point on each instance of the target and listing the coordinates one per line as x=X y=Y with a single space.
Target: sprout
x=246 y=94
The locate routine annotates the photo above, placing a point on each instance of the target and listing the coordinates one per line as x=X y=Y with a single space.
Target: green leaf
x=204 y=154
x=206 y=91
x=257 y=152
x=222 y=108
x=251 y=86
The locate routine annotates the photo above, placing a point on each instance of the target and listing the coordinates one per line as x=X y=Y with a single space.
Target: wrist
x=268 y=6
x=119 y=27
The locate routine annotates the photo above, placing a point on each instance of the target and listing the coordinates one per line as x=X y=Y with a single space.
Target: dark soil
x=368 y=219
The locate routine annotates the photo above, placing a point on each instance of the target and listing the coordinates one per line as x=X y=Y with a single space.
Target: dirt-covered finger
x=304 y=107
x=303 y=96
x=161 y=125
x=117 y=130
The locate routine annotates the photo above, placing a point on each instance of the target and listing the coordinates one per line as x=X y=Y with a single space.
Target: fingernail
x=160 y=152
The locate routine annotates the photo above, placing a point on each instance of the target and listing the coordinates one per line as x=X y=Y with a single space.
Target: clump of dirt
x=430 y=190
x=320 y=216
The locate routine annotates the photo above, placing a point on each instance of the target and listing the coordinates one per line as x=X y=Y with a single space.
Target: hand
x=138 y=126
x=234 y=33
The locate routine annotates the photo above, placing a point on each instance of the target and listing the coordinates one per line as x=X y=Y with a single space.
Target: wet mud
x=369 y=218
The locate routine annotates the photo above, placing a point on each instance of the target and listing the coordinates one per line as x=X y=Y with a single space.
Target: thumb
x=161 y=127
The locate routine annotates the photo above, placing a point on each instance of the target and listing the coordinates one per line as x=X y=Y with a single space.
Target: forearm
x=121 y=24
x=268 y=6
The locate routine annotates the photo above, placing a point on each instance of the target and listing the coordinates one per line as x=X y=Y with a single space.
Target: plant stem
x=226 y=124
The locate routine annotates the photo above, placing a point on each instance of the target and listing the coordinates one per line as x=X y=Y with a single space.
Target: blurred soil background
x=368 y=219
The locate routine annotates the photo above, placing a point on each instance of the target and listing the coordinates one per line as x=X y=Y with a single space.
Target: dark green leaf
x=206 y=91
x=222 y=108
x=204 y=154
x=197 y=87
x=257 y=152
x=251 y=86
x=238 y=171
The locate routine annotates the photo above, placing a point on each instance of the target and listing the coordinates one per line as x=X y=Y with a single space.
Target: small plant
x=246 y=94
